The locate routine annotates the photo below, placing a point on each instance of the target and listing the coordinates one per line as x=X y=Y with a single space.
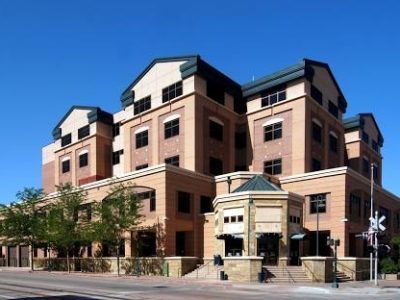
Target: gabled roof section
x=95 y=114
x=299 y=70
x=127 y=97
x=257 y=183
x=358 y=122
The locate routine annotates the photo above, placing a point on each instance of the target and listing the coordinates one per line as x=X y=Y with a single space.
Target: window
x=144 y=166
x=116 y=129
x=273 y=167
x=174 y=160
x=83 y=160
x=142 y=105
x=172 y=91
x=65 y=166
x=240 y=140
x=333 y=143
x=240 y=218
x=273 y=132
x=233 y=219
x=152 y=201
x=365 y=164
x=142 y=139
x=355 y=203
x=226 y=219
x=294 y=219
x=375 y=174
x=216 y=130
x=116 y=157
x=83 y=132
x=66 y=140
x=184 y=202
x=206 y=204
x=316 y=132
x=318 y=203
x=216 y=92
x=171 y=128
x=333 y=109
x=316 y=94
x=272 y=97
x=316 y=165
x=151 y=195
x=215 y=166
x=375 y=146
x=365 y=137
x=85 y=212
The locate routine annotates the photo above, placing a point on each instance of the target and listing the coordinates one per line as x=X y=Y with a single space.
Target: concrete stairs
x=288 y=274
x=206 y=271
x=342 y=277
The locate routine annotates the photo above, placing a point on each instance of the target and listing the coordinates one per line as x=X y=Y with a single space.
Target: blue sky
x=54 y=54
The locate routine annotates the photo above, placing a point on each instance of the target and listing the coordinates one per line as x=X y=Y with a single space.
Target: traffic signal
x=370 y=249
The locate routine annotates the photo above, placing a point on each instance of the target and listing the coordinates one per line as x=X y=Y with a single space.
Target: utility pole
x=371 y=217
x=376 y=248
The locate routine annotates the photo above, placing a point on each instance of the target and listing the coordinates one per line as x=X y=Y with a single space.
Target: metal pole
x=371 y=215
x=334 y=282
x=376 y=250
x=317 y=239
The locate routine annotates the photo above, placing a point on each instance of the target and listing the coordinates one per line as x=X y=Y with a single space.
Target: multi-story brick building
x=231 y=169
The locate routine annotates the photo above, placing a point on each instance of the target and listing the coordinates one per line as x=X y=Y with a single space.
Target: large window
x=333 y=143
x=65 y=166
x=216 y=92
x=272 y=97
x=365 y=163
x=172 y=91
x=83 y=160
x=273 y=167
x=174 y=160
x=142 y=105
x=206 y=204
x=151 y=195
x=333 y=109
x=316 y=94
x=318 y=203
x=365 y=137
x=116 y=129
x=216 y=166
x=171 y=128
x=66 y=140
x=316 y=132
x=273 y=132
x=116 y=156
x=184 y=200
x=142 y=139
x=316 y=165
x=216 y=130
x=355 y=205
x=83 y=132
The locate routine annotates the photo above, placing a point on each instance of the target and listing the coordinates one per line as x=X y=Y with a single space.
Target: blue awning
x=297 y=236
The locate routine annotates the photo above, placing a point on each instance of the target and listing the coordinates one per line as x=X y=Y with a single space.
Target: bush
x=388 y=266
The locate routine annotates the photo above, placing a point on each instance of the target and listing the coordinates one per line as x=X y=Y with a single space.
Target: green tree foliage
x=65 y=231
x=22 y=222
x=118 y=213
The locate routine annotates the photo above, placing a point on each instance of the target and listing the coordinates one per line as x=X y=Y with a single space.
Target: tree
x=65 y=231
x=23 y=222
x=118 y=213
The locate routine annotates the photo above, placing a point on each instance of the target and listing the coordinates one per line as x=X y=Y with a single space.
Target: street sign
x=381 y=227
x=376 y=224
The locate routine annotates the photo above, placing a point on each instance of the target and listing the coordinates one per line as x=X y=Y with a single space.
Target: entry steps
x=287 y=274
x=207 y=271
x=342 y=277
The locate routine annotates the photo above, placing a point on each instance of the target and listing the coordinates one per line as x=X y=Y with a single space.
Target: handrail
x=290 y=277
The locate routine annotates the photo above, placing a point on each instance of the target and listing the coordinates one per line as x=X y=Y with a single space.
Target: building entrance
x=268 y=247
x=233 y=245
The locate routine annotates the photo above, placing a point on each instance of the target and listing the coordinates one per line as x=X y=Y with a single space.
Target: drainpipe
x=229 y=181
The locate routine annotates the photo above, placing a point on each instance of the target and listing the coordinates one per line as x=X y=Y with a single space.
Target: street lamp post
x=335 y=244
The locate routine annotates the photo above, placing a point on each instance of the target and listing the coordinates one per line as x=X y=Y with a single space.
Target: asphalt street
x=44 y=285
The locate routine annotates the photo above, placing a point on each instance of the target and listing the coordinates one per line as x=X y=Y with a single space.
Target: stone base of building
x=243 y=268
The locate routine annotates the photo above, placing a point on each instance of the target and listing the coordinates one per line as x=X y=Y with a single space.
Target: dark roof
x=257 y=183
x=358 y=122
x=95 y=114
x=299 y=70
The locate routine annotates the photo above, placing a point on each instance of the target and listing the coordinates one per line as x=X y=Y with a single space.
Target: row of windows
x=374 y=144
x=271 y=98
x=82 y=132
x=317 y=137
x=317 y=95
x=233 y=219
x=83 y=162
x=294 y=219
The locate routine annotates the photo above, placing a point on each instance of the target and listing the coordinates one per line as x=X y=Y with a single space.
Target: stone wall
x=354 y=267
x=318 y=268
x=243 y=268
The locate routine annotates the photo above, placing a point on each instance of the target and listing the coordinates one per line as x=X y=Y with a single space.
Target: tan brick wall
x=48 y=172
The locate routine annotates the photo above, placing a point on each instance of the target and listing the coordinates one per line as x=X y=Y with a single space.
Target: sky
x=55 y=54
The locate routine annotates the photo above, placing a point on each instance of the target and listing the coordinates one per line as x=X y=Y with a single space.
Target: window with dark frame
x=316 y=165
x=316 y=132
x=66 y=140
x=216 y=130
x=65 y=166
x=216 y=166
x=184 y=200
x=116 y=159
x=366 y=167
x=355 y=204
x=365 y=137
x=142 y=105
x=83 y=132
x=172 y=91
x=316 y=94
x=152 y=200
x=333 y=143
x=83 y=160
x=216 y=92
x=273 y=96
x=375 y=146
x=116 y=129
x=142 y=139
x=140 y=167
x=171 y=128
x=206 y=204
x=273 y=132
x=273 y=167
x=318 y=203
x=173 y=160
x=333 y=109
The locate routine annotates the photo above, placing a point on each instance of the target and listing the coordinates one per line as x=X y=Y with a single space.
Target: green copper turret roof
x=257 y=183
